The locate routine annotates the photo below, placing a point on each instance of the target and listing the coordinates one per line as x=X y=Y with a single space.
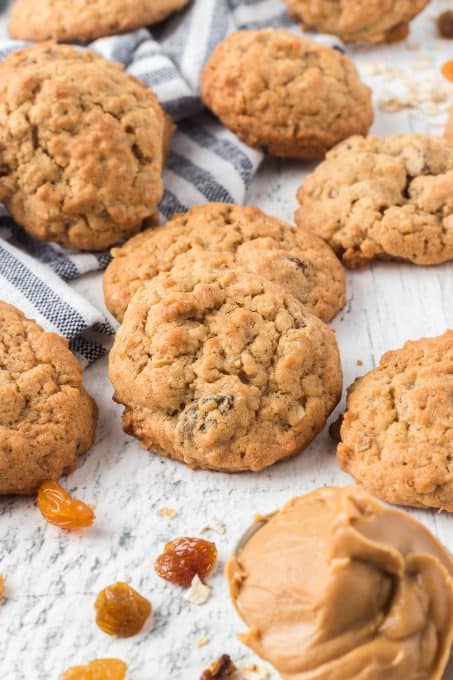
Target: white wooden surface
x=47 y=622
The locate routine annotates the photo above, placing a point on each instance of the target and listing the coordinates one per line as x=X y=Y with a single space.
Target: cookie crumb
x=359 y=362
x=222 y=669
x=165 y=511
x=198 y=593
x=203 y=641
x=214 y=525
x=252 y=671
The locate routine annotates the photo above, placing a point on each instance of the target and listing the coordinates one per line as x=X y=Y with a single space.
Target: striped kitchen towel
x=207 y=162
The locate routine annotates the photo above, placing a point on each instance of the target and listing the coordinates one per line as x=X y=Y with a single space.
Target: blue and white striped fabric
x=207 y=162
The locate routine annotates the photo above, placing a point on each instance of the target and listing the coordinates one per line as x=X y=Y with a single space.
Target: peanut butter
x=337 y=586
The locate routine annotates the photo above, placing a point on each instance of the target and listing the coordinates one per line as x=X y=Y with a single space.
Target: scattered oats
x=252 y=671
x=171 y=513
x=214 y=525
x=198 y=592
x=372 y=69
x=359 y=362
x=201 y=642
x=431 y=109
x=423 y=64
x=395 y=104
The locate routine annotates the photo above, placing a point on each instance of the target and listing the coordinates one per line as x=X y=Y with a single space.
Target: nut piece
x=198 y=593
x=121 y=611
x=222 y=669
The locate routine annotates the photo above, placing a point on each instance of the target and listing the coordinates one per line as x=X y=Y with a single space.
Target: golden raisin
x=100 y=669
x=59 y=508
x=447 y=70
x=121 y=611
x=184 y=558
x=445 y=24
x=222 y=669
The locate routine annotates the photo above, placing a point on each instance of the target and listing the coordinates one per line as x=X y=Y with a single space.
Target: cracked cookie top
x=47 y=419
x=389 y=198
x=230 y=236
x=223 y=370
x=287 y=94
x=397 y=432
x=81 y=146
x=85 y=19
x=374 y=21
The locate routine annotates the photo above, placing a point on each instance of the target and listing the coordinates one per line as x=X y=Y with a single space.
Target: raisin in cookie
x=82 y=147
x=47 y=419
x=231 y=236
x=374 y=21
x=397 y=432
x=389 y=198
x=85 y=19
x=223 y=370
x=289 y=95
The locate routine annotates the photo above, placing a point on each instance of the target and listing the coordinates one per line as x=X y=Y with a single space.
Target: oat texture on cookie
x=223 y=370
x=374 y=21
x=230 y=236
x=286 y=94
x=397 y=432
x=82 y=146
x=47 y=419
x=389 y=198
x=85 y=19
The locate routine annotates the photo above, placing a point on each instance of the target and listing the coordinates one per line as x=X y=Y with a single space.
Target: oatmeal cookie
x=230 y=236
x=47 y=419
x=449 y=127
x=85 y=19
x=374 y=21
x=397 y=432
x=223 y=370
x=389 y=198
x=82 y=146
x=287 y=94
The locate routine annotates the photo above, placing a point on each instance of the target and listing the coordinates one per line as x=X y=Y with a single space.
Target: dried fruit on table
x=100 y=669
x=59 y=508
x=184 y=558
x=121 y=611
x=222 y=669
x=445 y=24
x=447 y=70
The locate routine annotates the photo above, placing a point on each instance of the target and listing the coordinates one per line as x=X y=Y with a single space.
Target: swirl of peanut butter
x=337 y=586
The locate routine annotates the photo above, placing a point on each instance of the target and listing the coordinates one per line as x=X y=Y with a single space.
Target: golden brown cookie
x=286 y=94
x=223 y=370
x=337 y=586
x=374 y=21
x=47 y=419
x=85 y=19
x=230 y=236
x=397 y=432
x=390 y=199
x=449 y=127
x=82 y=146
